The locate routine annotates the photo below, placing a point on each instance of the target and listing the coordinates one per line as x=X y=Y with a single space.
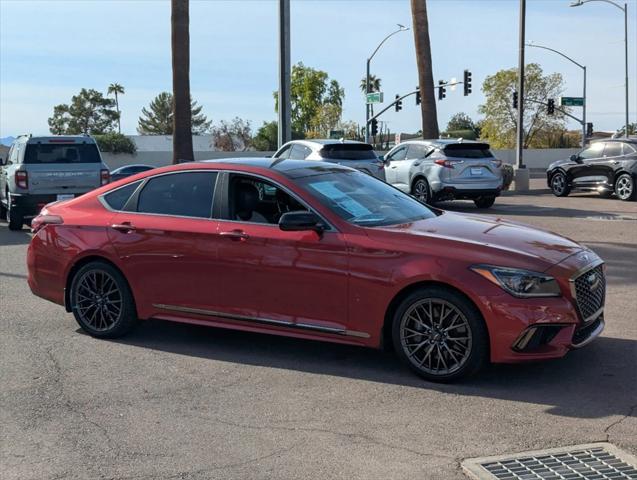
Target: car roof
x=323 y=141
x=133 y=165
x=286 y=167
x=56 y=138
x=443 y=142
x=624 y=140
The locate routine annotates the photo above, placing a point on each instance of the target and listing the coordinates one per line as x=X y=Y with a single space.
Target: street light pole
x=285 y=129
x=578 y=3
x=401 y=28
x=519 y=161
x=583 y=67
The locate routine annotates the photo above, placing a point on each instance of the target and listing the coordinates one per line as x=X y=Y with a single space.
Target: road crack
x=630 y=413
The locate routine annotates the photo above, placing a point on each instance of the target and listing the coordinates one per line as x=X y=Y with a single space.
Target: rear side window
x=468 y=150
x=61 y=153
x=187 y=194
x=348 y=151
x=118 y=198
x=417 y=151
x=613 y=149
x=299 y=152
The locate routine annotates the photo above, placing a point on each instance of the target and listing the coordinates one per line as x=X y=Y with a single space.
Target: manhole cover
x=596 y=461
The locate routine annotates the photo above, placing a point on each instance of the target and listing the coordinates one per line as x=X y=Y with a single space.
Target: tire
x=433 y=355
x=484 y=202
x=3 y=210
x=95 y=309
x=559 y=185
x=606 y=193
x=420 y=190
x=14 y=220
x=625 y=187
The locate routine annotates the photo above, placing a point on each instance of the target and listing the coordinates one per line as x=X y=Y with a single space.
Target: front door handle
x=236 y=235
x=124 y=227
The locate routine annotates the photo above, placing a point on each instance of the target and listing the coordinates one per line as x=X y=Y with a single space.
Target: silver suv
x=41 y=170
x=358 y=155
x=433 y=170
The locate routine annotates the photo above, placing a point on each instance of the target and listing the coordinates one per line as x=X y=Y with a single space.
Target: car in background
x=606 y=166
x=128 y=170
x=435 y=170
x=358 y=155
x=316 y=251
x=40 y=170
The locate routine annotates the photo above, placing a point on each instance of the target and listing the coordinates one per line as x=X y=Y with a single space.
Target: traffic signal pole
x=521 y=176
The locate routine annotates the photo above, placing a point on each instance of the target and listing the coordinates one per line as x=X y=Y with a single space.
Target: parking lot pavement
x=187 y=402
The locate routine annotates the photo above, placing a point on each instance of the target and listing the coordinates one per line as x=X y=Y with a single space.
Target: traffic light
x=589 y=129
x=442 y=91
x=418 y=99
x=374 y=129
x=467 y=82
x=399 y=103
x=515 y=99
x=550 y=106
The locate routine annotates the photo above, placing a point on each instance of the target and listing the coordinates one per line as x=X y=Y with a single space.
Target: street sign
x=572 y=101
x=375 y=97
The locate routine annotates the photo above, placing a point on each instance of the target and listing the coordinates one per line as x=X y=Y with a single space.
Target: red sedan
x=316 y=251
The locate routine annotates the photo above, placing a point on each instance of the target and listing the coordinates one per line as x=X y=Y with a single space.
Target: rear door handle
x=124 y=227
x=236 y=235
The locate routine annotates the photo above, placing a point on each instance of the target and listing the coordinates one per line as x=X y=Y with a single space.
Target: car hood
x=485 y=239
x=557 y=163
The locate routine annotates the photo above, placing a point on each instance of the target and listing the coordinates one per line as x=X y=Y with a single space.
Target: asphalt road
x=187 y=402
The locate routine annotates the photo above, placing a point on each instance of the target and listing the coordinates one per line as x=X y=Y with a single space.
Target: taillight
x=105 y=177
x=41 y=221
x=381 y=165
x=445 y=163
x=22 y=179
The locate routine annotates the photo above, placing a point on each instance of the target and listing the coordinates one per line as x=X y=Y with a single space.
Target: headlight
x=520 y=283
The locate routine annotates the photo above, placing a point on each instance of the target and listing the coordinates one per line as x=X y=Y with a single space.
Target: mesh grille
x=590 y=291
x=594 y=463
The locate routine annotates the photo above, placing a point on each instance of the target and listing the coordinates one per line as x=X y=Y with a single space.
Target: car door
x=294 y=279
x=612 y=157
x=587 y=172
x=397 y=165
x=163 y=238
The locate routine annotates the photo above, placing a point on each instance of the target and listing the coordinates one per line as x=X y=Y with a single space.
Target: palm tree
x=116 y=88
x=425 y=71
x=180 y=40
x=374 y=84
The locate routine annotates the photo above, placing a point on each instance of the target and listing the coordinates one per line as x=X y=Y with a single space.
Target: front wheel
x=102 y=302
x=559 y=185
x=625 y=187
x=484 y=202
x=440 y=335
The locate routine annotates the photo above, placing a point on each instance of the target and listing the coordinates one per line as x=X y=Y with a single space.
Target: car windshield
x=61 y=153
x=363 y=200
x=468 y=150
x=348 y=151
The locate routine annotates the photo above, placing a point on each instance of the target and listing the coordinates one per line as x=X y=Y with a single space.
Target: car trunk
x=360 y=156
x=472 y=163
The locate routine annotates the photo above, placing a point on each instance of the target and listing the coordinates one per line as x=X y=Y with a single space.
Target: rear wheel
x=484 y=202
x=625 y=187
x=102 y=302
x=421 y=190
x=14 y=219
x=440 y=335
x=559 y=185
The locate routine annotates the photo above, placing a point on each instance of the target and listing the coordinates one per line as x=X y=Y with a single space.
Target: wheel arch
x=85 y=261
x=386 y=332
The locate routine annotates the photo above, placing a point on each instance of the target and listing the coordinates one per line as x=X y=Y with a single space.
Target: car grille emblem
x=593 y=281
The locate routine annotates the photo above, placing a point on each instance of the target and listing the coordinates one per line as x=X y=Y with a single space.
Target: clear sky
x=51 y=49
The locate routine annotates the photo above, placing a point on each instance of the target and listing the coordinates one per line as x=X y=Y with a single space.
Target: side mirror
x=575 y=158
x=300 y=221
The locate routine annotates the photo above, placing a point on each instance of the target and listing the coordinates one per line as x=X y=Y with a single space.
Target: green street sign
x=572 y=101
x=375 y=97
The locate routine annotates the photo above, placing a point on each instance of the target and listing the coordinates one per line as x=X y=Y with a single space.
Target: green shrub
x=507 y=176
x=115 y=143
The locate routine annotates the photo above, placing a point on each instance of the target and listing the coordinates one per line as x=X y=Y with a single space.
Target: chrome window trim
x=101 y=198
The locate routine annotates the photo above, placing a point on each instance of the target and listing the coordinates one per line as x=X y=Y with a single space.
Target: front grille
x=590 y=292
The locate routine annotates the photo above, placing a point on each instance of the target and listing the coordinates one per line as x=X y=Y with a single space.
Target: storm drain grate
x=598 y=461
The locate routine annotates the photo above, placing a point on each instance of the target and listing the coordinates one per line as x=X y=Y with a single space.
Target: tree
x=310 y=90
x=327 y=118
x=500 y=121
x=89 y=112
x=460 y=121
x=374 y=84
x=116 y=89
x=232 y=136
x=632 y=130
x=182 y=115
x=266 y=139
x=157 y=119
x=425 y=71
x=115 y=143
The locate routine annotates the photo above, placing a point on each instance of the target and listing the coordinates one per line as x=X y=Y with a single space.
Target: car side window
x=254 y=200
x=284 y=152
x=417 y=151
x=185 y=194
x=399 y=154
x=628 y=149
x=13 y=158
x=594 y=151
x=118 y=198
x=299 y=152
x=613 y=149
